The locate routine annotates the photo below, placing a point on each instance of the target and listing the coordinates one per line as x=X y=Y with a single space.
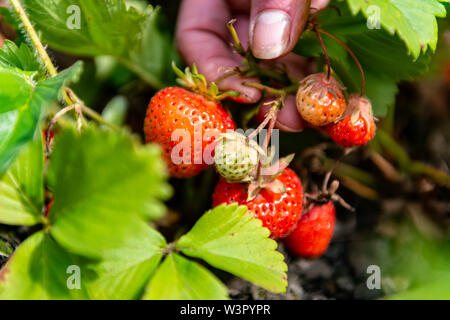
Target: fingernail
x=270 y=34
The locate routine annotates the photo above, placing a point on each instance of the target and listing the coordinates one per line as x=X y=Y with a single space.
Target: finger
x=240 y=5
x=296 y=66
x=202 y=38
x=276 y=25
x=5 y=30
x=288 y=119
x=235 y=83
x=319 y=4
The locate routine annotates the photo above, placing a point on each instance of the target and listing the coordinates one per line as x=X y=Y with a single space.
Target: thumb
x=276 y=25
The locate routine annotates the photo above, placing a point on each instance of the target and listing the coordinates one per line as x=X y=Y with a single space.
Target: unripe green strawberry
x=236 y=157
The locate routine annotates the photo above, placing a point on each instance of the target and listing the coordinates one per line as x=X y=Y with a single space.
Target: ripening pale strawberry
x=279 y=212
x=236 y=157
x=320 y=100
x=357 y=126
x=199 y=118
x=314 y=231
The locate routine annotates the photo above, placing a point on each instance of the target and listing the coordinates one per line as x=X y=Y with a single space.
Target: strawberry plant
x=120 y=173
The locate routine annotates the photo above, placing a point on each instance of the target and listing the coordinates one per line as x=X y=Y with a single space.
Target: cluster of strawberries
x=278 y=198
x=321 y=102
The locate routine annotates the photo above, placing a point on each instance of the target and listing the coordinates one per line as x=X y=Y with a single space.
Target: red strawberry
x=357 y=126
x=177 y=108
x=279 y=212
x=320 y=100
x=314 y=231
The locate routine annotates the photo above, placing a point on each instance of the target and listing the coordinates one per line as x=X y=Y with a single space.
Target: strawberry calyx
x=322 y=85
x=326 y=195
x=262 y=171
x=265 y=177
x=360 y=107
x=197 y=83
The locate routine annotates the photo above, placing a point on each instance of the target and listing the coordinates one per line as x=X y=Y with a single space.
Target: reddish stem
x=350 y=52
x=269 y=131
x=271 y=119
x=325 y=52
x=269 y=116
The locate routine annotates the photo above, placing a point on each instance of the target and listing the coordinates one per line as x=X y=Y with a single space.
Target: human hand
x=4 y=29
x=270 y=27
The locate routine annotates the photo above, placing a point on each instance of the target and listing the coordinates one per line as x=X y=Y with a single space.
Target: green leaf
x=414 y=21
x=21 y=58
x=21 y=103
x=18 y=118
x=434 y=290
x=384 y=57
x=39 y=270
x=107 y=28
x=50 y=89
x=22 y=187
x=180 y=279
x=154 y=210
x=123 y=272
x=116 y=110
x=381 y=89
x=230 y=239
x=101 y=184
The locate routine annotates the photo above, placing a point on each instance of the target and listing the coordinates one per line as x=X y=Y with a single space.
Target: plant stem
x=384 y=166
x=254 y=68
x=259 y=86
x=355 y=179
x=358 y=188
x=346 y=170
x=332 y=167
x=34 y=37
x=325 y=52
x=58 y=115
x=70 y=97
x=269 y=116
x=90 y=112
x=350 y=52
x=408 y=165
x=393 y=148
x=420 y=168
x=276 y=92
x=237 y=43
x=272 y=122
x=98 y=117
x=269 y=74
